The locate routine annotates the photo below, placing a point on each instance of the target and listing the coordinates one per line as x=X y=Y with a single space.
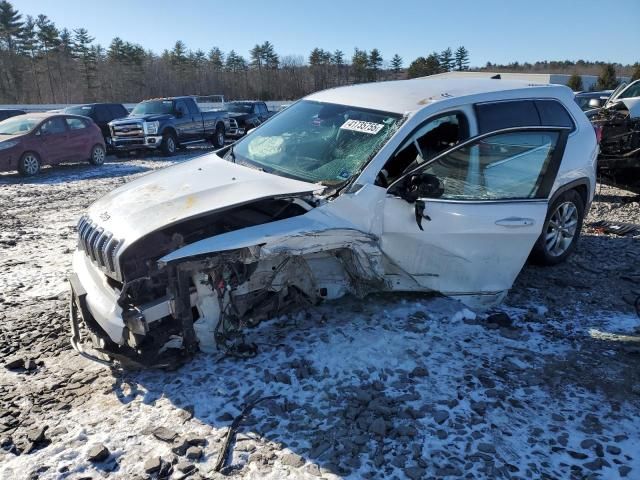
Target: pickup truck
x=248 y=115
x=168 y=124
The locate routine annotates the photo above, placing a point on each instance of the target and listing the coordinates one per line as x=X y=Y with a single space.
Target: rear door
x=53 y=137
x=102 y=116
x=464 y=222
x=78 y=143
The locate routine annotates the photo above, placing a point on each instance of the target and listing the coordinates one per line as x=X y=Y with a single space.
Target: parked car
x=8 y=113
x=584 y=99
x=167 y=124
x=422 y=185
x=100 y=113
x=248 y=115
x=29 y=141
x=618 y=125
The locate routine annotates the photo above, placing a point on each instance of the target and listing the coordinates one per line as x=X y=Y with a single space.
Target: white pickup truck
x=419 y=185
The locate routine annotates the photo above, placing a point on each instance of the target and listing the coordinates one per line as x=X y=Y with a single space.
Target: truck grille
x=99 y=245
x=133 y=129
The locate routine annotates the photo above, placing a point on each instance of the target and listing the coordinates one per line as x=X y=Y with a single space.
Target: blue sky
x=499 y=31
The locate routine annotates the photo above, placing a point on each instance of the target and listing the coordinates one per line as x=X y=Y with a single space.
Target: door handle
x=514 y=222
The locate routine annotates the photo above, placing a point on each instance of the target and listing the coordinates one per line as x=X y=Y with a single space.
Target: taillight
x=598 y=130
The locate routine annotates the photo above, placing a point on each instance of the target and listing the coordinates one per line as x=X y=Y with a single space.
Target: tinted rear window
x=522 y=113
x=553 y=114
x=499 y=115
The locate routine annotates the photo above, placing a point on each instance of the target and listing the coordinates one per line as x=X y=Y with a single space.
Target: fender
x=290 y=236
x=580 y=182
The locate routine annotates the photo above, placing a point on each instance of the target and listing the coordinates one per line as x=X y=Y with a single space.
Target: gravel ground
x=399 y=386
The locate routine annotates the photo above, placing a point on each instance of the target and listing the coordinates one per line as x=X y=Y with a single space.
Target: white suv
x=418 y=185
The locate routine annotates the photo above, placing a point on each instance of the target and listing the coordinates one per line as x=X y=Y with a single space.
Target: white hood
x=183 y=191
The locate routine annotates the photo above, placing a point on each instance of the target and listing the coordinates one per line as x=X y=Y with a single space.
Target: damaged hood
x=190 y=189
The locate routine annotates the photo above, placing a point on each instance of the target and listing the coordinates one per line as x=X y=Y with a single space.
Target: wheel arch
x=580 y=185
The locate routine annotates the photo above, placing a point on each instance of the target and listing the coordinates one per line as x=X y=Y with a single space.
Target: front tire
x=218 y=137
x=29 y=164
x=169 y=144
x=98 y=155
x=561 y=230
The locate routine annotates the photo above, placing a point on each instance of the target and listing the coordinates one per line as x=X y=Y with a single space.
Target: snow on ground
x=397 y=386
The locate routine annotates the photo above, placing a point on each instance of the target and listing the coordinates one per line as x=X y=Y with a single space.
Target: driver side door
x=464 y=222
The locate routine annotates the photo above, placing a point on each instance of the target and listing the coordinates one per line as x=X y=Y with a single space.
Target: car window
x=553 y=114
x=431 y=138
x=52 y=126
x=76 y=123
x=262 y=108
x=498 y=167
x=632 y=91
x=102 y=114
x=191 y=105
x=500 y=115
x=117 y=111
x=180 y=105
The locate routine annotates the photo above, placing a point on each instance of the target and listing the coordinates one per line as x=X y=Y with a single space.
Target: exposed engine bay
x=173 y=308
x=619 y=159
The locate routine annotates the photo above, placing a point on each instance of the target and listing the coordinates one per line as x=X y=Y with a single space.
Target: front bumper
x=135 y=143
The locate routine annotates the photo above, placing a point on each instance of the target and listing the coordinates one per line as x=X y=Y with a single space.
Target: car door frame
x=480 y=299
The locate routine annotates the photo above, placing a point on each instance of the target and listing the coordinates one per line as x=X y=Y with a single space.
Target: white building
x=588 y=81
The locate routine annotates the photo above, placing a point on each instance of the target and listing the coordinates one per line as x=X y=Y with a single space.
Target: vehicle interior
x=429 y=140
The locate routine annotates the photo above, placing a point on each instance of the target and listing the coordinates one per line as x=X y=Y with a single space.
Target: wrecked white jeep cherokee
x=419 y=185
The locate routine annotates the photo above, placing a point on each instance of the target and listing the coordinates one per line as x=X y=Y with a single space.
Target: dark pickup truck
x=169 y=123
x=248 y=115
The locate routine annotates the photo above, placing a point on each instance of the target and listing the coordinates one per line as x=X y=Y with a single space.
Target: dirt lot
x=395 y=387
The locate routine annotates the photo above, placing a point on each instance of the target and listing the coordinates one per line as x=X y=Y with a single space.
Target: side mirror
x=423 y=185
x=595 y=103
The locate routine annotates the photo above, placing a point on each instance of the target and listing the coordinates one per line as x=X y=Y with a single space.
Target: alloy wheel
x=31 y=164
x=98 y=155
x=171 y=145
x=561 y=229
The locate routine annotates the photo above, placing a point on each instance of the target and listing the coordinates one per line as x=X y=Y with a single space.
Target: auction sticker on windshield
x=361 y=126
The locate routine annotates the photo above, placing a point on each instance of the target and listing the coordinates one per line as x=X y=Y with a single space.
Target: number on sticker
x=361 y=126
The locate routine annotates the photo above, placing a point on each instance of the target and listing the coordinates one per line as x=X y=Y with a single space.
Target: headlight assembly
x=151 y=128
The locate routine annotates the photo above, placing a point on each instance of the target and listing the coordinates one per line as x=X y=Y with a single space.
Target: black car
x=248 y=115
x=4 y=114
x=100 y=113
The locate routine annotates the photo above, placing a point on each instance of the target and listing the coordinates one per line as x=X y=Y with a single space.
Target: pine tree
x=636 y=72
x=359 y=64
x=461 y=59
x=270 y=58
x=256 y=57
x=433 y=64
x=446 y=60
x=374 y=64
x=86 y=57
x=575 y=83
x=11 y=26
x=216 y=59
x=337 y=58
x=48 y=41
x=607 y=79
x=396 y=63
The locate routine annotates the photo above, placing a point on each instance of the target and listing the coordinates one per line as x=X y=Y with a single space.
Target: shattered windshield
x=317 y=142
x=153 y=108
x=17 y=125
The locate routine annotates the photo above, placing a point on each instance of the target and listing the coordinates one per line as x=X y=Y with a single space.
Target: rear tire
x=98 y=155
x=169 y=144
x=218 y=137
x=561 y=230
x=29 y=164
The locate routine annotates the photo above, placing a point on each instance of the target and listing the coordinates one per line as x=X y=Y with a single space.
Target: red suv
x=29 y=141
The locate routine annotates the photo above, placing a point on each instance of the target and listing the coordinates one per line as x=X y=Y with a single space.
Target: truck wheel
x=169 y=144
x=561 y=230
x=97 y=155
x=218 y=137
x=29 y=164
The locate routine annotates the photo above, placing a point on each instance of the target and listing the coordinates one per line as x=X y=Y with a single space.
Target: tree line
x=42 y=63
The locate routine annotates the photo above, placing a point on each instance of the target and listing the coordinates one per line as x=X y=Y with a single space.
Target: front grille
x=99 y=245
x=133 y=129
x=233 y=123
